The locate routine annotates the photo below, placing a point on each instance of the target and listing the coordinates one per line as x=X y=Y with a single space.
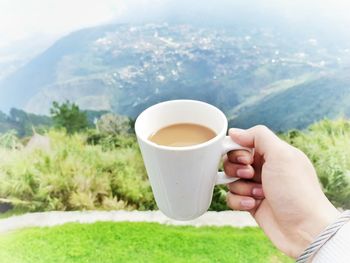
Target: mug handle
x=229 y=145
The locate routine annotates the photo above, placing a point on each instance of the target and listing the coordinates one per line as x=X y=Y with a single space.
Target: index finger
x=261 y=138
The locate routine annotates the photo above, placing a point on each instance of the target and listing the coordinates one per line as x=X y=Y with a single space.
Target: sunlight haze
x=23 y=19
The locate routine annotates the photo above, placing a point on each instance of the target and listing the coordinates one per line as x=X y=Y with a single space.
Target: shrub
x=110 y=141
x=75 y=175
x=326 y=143
x=113 y=124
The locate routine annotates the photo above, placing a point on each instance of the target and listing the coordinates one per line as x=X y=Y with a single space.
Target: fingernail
x=248 y=203
x=244 y=172
x=258 y=191
x=243 y=159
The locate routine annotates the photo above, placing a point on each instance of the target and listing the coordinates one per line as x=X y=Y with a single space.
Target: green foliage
x=326 y=143
x=219 y=198
x=110 y=141
x=138 y=242
x=76 y=175
x=68 y=115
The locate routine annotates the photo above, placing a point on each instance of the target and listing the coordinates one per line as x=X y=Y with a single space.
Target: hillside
x=23 y=123
x=299 y=106
x=5 y=124
x=126 y=68
x=18 y=88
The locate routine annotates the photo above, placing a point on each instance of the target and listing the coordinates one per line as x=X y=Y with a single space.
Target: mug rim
x=221 y=134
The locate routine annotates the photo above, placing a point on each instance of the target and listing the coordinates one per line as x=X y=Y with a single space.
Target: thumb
x=259 y=137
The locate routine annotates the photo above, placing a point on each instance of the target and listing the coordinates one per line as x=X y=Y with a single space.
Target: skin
x=279 y=187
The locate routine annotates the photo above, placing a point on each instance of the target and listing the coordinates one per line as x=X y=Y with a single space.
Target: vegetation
x=326 y=143
x=75 y=175
x=94 y=170
x=113 y=124
x=137 y=242
x=69 y=116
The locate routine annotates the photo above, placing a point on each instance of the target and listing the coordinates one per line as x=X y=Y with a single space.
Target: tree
x=68 y=115
x=113 y=124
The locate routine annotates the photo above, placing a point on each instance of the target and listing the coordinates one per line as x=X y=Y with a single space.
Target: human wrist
x=311 y=227
x=329 y=243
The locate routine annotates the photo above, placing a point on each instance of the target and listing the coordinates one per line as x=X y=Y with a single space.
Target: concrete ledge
x=46 y=219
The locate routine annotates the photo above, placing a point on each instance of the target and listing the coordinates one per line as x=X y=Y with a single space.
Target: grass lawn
x=137 y=242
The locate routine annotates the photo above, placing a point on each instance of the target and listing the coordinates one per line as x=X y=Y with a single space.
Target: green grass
x=137 y=242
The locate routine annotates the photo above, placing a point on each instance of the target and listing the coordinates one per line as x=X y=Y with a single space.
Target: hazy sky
x=21 y=19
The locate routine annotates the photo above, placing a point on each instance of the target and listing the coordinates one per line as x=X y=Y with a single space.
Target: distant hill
x=17 y=89
x=299 y=106
x=251 y=74
x=23 y=122
x=5 y=124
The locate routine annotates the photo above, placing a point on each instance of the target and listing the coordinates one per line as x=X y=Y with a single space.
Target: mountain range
x=255 y=75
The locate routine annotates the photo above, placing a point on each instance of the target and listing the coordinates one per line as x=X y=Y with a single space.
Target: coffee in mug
x=182 y=134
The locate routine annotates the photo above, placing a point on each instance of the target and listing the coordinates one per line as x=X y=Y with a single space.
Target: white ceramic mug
x=183 y=178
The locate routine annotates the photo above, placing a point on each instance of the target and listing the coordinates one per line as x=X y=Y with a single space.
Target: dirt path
x=226 y=218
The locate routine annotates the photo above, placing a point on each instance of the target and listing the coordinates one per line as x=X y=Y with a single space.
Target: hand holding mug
x=279 y=187
x=278 y=184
